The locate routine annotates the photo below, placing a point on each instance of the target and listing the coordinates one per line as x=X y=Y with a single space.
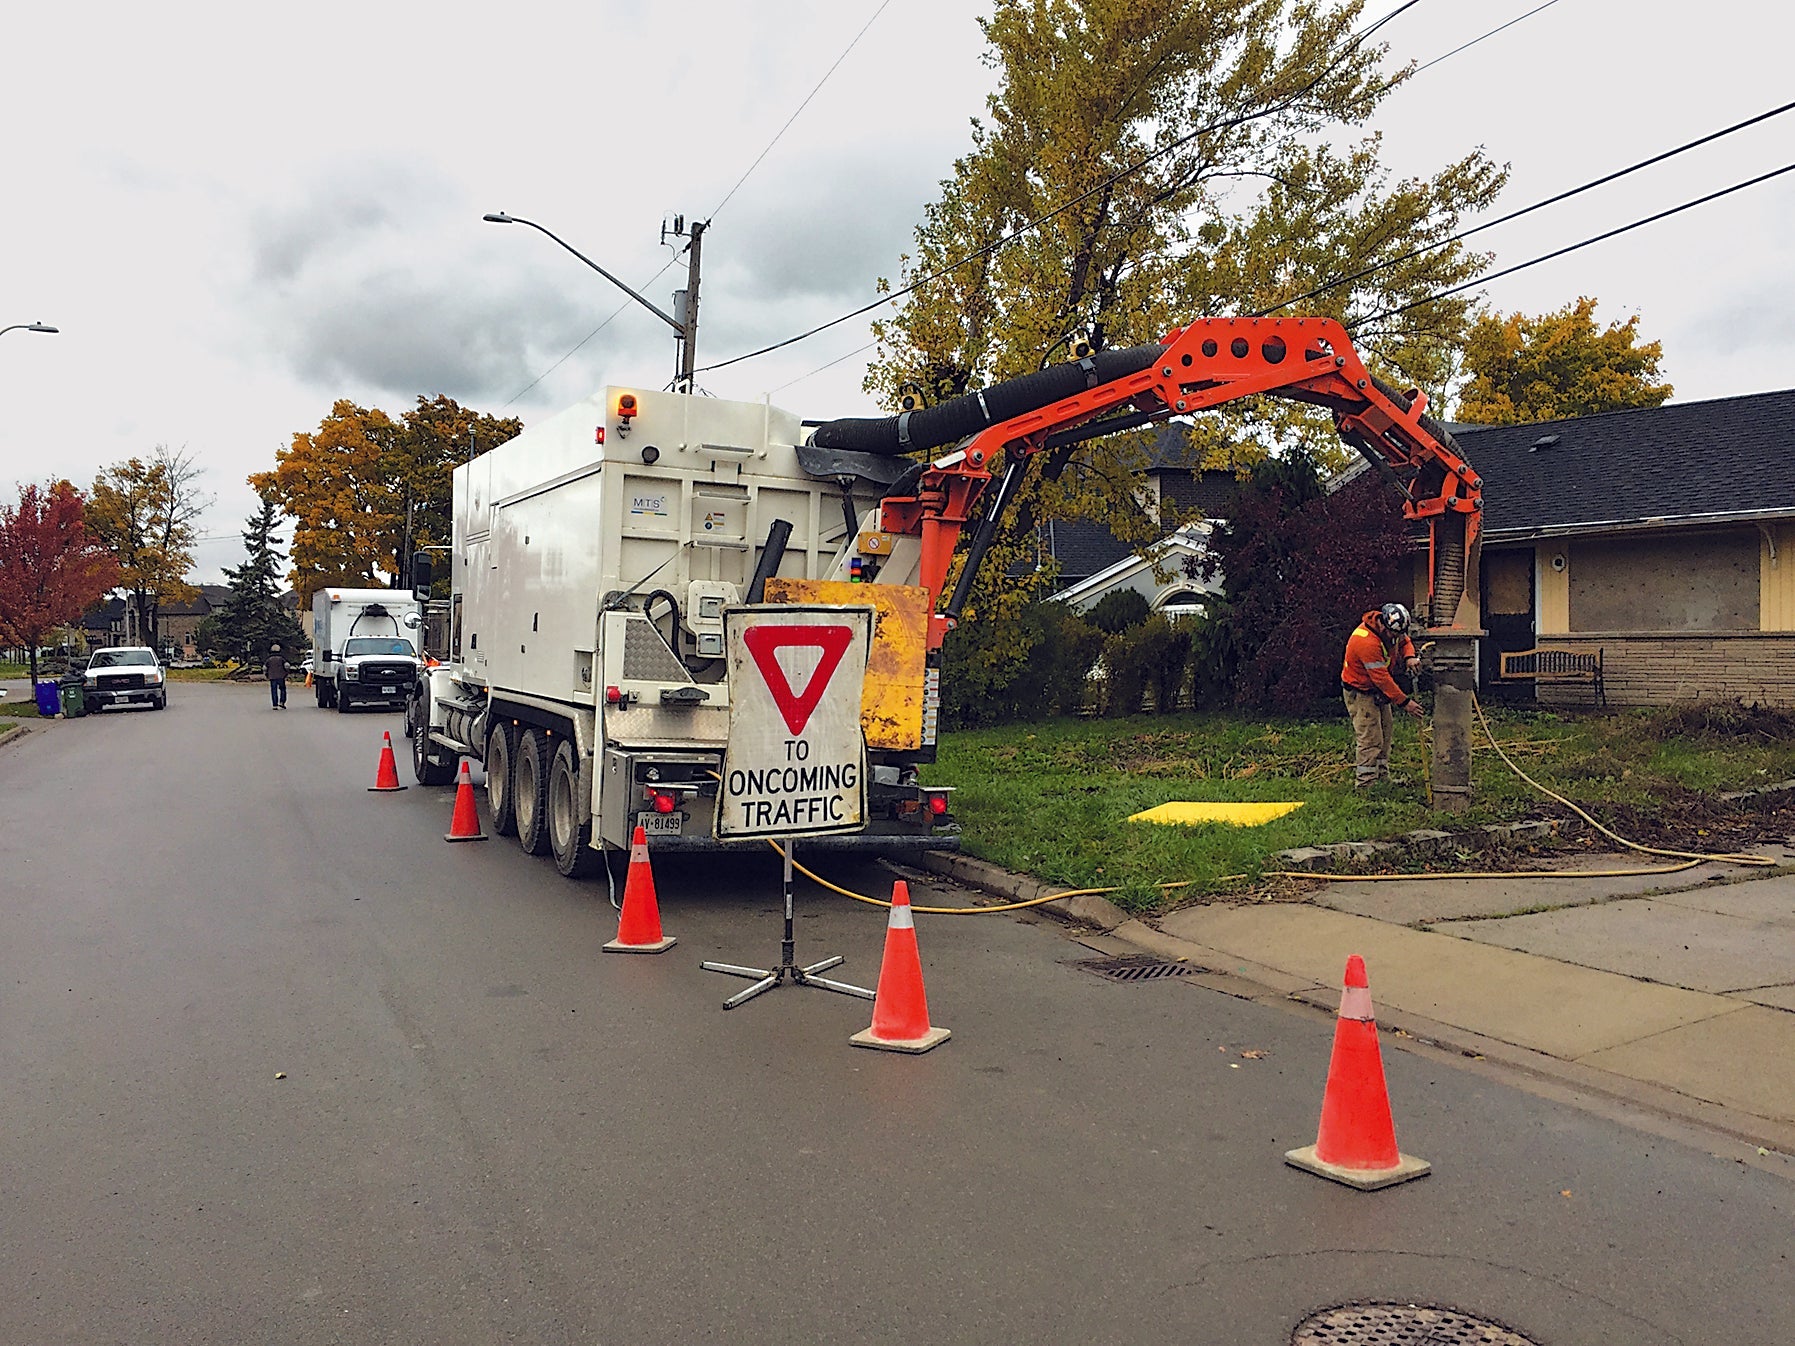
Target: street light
x=27 y=327
x=686 y=331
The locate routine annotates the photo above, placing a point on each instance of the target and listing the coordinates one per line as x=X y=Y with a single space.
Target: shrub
x=1027 y=667
x=1148 y=657
x=1118 y=610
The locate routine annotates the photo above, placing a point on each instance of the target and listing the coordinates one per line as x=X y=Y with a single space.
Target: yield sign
x=765 y=641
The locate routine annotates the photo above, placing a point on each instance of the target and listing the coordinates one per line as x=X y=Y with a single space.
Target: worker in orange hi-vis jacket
x=1380 y=641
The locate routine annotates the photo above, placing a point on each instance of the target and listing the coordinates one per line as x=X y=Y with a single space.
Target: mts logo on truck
x=796 y=761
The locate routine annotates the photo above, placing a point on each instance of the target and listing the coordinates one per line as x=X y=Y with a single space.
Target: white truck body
x=366 y=646
x=592 y=559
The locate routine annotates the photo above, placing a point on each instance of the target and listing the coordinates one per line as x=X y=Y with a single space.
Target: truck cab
x=367 y=647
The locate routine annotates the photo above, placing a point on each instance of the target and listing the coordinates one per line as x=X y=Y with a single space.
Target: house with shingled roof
x=1664 y=538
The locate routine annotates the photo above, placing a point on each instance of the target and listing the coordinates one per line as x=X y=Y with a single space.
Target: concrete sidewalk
x=1674 y=992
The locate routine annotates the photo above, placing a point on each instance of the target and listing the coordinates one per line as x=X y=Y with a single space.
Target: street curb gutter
x=17 y=734
x=1097 y=912
x=1246 y=980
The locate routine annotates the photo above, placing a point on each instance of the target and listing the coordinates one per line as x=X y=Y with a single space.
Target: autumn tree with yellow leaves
x=147 y=512
x=1559 y=364
x=1184 y=159
x=366 y=490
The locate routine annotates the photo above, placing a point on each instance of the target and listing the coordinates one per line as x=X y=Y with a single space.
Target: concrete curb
x=1427 y=841
x=22 y=729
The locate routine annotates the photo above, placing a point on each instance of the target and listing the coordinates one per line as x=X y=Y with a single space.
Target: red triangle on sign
x=765 y=641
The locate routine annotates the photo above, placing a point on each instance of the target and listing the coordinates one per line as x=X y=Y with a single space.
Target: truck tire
x=428 y=763
x=570 y=815
x=529 y=790
x=501 y=749
x=341 y=701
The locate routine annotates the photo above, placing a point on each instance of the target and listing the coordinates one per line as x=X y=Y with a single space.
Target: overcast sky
x=237 y=214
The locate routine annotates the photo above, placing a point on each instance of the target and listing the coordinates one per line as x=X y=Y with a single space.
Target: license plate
x=389 y=691
x=661 y=824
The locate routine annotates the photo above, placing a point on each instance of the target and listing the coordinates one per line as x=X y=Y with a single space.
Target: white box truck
x=592 y=559
x=366 y=644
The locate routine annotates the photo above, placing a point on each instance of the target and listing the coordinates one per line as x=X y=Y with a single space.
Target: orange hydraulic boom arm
x=1203 y=365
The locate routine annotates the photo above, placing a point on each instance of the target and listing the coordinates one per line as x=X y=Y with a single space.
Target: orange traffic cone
x=639 y=924
x=465 y=825
x=901 y=1009
x=1356 y=1144
x=387 y=777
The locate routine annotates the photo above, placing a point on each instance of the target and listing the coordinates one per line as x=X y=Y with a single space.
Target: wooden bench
x=1549 y=665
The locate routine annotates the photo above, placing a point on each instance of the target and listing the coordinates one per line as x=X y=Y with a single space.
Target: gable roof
x=1729 y=459
x=1084 y=548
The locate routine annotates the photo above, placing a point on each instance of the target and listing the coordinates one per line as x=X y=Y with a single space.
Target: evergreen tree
x=253 y=619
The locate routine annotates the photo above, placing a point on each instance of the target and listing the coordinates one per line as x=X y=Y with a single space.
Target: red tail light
x=663 y=803
x=937 y=804
x=613 y=696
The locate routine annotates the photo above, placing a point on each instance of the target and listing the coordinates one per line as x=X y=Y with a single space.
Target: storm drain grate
x=1402 y=1325
x=1136 y=967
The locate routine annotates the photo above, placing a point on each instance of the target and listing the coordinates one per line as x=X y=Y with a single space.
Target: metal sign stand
x=768 y=978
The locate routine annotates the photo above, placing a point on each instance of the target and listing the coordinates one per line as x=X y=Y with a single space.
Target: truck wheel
x=501 y=747
x=529 y=790
x=426 y=763
x=340 y=701
x=570 y=815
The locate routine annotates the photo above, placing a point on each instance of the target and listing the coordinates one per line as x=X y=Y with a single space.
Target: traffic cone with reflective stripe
x=900 y=1008
x=639 y=924
x=387 y=777
x=465 y=825
x=1356 y=1143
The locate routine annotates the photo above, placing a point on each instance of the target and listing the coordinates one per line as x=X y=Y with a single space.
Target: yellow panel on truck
x=897 y=668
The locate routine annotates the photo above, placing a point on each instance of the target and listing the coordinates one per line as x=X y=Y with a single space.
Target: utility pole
x=685 y=302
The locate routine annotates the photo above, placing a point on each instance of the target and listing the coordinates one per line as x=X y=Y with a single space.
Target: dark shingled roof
x=1083 y=548
x=1673 y=463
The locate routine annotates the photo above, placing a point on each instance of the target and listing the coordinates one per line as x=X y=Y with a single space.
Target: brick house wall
x=1647 y=669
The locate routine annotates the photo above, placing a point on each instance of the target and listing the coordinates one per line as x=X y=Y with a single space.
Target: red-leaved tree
x=51 y=568
x=1300 y=565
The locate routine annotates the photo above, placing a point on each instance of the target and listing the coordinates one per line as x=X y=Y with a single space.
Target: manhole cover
x=1136 y=967
x=1402 y=1325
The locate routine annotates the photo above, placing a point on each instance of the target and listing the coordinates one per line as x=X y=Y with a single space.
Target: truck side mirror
x=420 y=577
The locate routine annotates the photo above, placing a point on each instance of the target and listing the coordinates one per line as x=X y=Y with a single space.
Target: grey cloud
x=830 y=232
x=380 y=280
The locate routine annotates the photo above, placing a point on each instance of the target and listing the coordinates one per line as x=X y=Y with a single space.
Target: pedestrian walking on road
x=276 y=669
x=1380 y=640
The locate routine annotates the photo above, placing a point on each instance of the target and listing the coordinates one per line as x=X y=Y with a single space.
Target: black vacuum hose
x=966 y=415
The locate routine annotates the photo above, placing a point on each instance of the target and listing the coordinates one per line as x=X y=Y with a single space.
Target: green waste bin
x=73 y=701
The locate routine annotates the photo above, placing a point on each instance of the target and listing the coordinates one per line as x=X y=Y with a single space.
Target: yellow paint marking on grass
x=1240 y=815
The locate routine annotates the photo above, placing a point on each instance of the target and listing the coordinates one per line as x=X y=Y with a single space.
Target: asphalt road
x=488 y=1131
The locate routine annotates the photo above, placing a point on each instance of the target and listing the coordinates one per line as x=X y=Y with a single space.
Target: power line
x=1573 y=247
x=820 y=368
x=1527 y=210
x=1003 y=241
x=616 y=313
x=801 y=106
x=1474 y=41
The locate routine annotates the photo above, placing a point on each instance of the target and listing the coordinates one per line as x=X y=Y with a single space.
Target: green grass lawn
x=1053 y=799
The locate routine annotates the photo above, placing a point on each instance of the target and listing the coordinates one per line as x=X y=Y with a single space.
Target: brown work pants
x=1373 y=728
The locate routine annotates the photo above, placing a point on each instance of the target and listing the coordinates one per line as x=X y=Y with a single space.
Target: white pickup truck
x=122 y=676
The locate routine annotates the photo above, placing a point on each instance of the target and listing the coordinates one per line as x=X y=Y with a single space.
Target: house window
x=1674 y=580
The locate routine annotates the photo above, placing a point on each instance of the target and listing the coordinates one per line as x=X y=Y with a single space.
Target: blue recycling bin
x=49 y=698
